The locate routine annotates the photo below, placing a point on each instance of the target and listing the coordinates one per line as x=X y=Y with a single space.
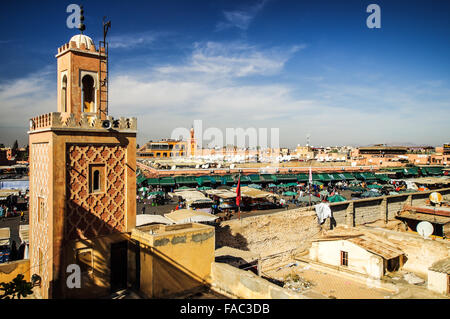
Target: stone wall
x=279 y=236
x=283 y=233
x=243 y=284
x=363 y=211
x=437 y=282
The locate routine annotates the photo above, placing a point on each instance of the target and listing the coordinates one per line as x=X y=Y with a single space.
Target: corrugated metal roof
x=371 y=243
x=442 y=265
x=377 y=247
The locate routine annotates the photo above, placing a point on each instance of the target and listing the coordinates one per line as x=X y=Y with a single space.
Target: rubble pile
x=296 y=283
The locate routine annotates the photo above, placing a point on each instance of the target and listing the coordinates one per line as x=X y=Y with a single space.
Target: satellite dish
x=435 y=197
x=425 y=229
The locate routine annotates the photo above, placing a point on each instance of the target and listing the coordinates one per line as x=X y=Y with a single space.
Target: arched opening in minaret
x=64 y=94
x=88 y=94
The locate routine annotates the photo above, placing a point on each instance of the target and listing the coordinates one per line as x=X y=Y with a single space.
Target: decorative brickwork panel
x=40 y=259
x=91 y=214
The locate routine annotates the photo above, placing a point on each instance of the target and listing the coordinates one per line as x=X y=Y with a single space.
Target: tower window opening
x=88 y=94
x=96 y=182
x=97 y=178
x=64 y=93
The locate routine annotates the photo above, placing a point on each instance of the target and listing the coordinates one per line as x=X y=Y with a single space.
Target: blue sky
x=305 y=67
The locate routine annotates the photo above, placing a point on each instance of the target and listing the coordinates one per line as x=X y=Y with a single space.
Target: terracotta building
x=82 y=178
x=83 y=198
x=168 y=148
x=165 y=148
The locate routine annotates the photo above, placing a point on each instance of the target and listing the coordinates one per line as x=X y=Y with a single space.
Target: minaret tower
x=82 y=181
x=192 y=142
x=82 y=77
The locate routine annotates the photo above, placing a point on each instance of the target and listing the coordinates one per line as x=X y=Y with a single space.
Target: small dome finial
x=81 y=26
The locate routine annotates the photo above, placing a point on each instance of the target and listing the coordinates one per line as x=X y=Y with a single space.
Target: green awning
x=324 y=177
x=140 y=179
x=302 y=177
x=369 y=176
x=167 y=181
x=268 y=178
x=183 y=180
x=382 y=177
x=152 y=181
x=424 y=171
x=396 y=170
x=366 y=176
x=292 y=184
x=156 y=193
x=348 y=176
x=336 y=198
x=286 y=177
x=244 y=179
x=255 y=178
x=338 y=177
x=315 y=177
x=206 y=180
x=227 y=179
x=412 y=171
x=434 y=170
x=216 y=178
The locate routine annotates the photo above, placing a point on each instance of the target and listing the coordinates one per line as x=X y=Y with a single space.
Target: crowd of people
x=297 y=194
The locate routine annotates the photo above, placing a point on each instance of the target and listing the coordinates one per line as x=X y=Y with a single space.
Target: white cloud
x=212 y=85
x=130 y=41
x=241 y=18
x=22 y=99
x=235 y=59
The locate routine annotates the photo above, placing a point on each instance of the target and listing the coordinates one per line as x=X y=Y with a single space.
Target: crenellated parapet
x=58 y=121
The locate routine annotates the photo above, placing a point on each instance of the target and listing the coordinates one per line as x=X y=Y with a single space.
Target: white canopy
x=144 y=219
x=24 y=233
x=5 y=235
x=184 y=216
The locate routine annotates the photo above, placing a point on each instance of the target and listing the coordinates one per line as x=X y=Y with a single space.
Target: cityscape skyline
x=287 y=65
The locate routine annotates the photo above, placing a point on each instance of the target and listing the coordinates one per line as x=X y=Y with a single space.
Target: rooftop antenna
x=106 y=27
x=81 y=26
x=103 y=67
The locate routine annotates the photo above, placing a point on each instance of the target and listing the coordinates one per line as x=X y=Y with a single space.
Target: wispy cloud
x=23 y=99
x=234 y=59
x=240 y=18
x=238 y=85
x=131 y=41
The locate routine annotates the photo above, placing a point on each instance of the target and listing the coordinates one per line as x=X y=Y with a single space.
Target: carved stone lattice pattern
x=95 y=214
x=39 y=239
